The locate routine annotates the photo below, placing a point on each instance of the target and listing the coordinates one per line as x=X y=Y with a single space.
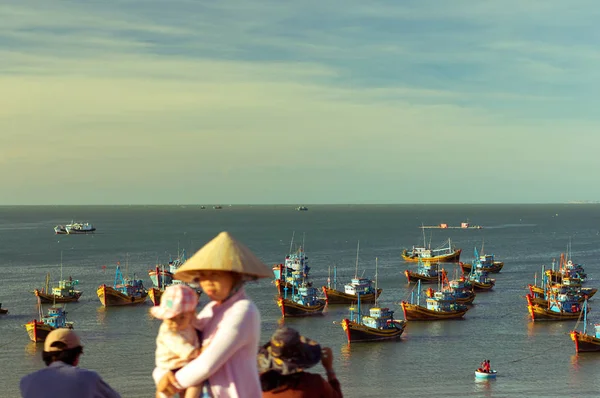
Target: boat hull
x=154 y=294
x=494 y=269
x=485 y=375
x=585 y=342
x=466 y=300
x=50 y=298
x=290 y=308
x=482 y=287
x=445 y=258
x=356 y=333
x=336 y=297
x=110 y=297
x=539 y=313
x=413 y=277
x=38 y=331
x=413 y=312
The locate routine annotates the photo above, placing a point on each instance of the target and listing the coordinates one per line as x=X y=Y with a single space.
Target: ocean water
x=431 y=359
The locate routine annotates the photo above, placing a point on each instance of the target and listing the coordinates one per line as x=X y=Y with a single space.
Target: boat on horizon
x=3 y=310
x=74 y=228
x=302 y=208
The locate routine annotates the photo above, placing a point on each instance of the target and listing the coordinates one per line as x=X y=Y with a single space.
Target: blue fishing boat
x=463 y=293
x=39 y=329
x=427 y=272
x=378 y=325
x=479 y=280
x=486 y=262
x=303 y=301
x=486 y=375
x=585 y=342
x=562 y=306
x=358 y=285
x=567 y=268
x=125 y=291
x=294 y=262
x=162 y=276
x=439 y=305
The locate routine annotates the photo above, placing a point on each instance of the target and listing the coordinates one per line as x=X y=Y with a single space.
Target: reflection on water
x=484 y=386
x=101 y=315
x=33 y=349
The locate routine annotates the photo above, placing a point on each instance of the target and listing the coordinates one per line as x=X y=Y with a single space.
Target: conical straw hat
x=223 y=253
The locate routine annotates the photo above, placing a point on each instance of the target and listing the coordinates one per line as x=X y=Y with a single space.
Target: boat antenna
x=303 y=236
x=376 y=297
x=357 y=247
x=61 y=255
x=482 y=244
x=127 y=265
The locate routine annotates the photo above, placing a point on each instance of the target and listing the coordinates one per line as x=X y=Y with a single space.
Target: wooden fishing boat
x=39 y=329
x=295 y=264
x=303 y=302
x=378 y=325
x=125 y=291
x=463 y=293
x=486 y=375
x=480 y=280
x=440 y=305
x=585 y=342
x=65 y=292
x=3 y=310
x=425 y=273
x=357 y=286
x=486 y=262
x=561 y=308
x=443 y=254
x=155 y=293
x=566 y=268
x=162 y=277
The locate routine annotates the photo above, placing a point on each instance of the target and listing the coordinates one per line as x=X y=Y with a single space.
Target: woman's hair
x=271 y=380
x=68 y=356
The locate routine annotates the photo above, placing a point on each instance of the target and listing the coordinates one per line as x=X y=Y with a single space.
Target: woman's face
x=216 y=284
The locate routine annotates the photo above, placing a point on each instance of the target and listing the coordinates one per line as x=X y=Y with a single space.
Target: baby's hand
x=196 y=353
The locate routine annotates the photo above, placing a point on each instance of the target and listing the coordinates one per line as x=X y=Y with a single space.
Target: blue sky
x=188 y=101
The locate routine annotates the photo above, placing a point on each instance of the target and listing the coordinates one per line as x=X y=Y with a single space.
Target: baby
x=177 y=342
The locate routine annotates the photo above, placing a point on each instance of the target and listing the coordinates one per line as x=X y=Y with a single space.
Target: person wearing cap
x=282 y=363
x=230 y=323
x=62 y=378
x=177 y=342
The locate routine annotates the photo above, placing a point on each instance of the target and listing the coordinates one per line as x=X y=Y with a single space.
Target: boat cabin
x=378 y=317
x=56 y=317
x=442 y=301
x=64 y=288
x=597 y=327
x=358 y=286
x=306 y=295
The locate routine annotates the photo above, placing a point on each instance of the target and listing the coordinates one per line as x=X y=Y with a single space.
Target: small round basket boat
x=486 y=375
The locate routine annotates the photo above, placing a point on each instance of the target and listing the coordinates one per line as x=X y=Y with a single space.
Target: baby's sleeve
x=180 y=346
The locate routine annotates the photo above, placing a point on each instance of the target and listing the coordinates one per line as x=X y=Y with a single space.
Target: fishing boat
x=125 y=291
x=162 y=276
x=480 y=280
x=560 y=307
x=439 y=305
x=586 y=342
x=486 y=262
x=463 y=293
x=426 y=272
x=443 y=254
x=303 y=301
x=302 y=208
x=566 y=268
x=378 y=325
x=358 y=285
x=39 y=329
x=486 y=375
x=3 y=310
x=65 y=292
x=294 y=262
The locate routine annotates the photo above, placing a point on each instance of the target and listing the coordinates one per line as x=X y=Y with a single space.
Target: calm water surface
x=431 y=359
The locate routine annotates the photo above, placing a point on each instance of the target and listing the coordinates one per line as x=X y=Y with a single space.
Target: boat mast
x=292 y=242
x=356 y=271
x=376 y=297
x=61 y=265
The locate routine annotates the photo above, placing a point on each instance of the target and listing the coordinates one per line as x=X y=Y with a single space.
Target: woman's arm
x=239 y=326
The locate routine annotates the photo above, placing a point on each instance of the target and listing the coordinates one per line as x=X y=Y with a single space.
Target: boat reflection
x=33 y=349
x=484 y=386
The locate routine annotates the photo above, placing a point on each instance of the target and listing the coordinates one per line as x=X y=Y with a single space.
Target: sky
x=275 y=102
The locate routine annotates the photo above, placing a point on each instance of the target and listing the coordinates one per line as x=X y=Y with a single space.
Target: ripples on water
x=432 y=358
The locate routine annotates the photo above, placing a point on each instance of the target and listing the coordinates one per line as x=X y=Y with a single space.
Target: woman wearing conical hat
x=230 y=323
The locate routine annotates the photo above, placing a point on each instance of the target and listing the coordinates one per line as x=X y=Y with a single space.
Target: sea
x=436 y=358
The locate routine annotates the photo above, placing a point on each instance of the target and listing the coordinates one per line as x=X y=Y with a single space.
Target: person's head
x=221 y=267
x=62 y=345
x=177 y=307
x=287 y=353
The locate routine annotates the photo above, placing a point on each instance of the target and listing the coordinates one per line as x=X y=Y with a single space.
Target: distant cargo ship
x=74 y=228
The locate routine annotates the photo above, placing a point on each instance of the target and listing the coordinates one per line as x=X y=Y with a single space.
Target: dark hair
x=271 y=380
x=68 y=356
